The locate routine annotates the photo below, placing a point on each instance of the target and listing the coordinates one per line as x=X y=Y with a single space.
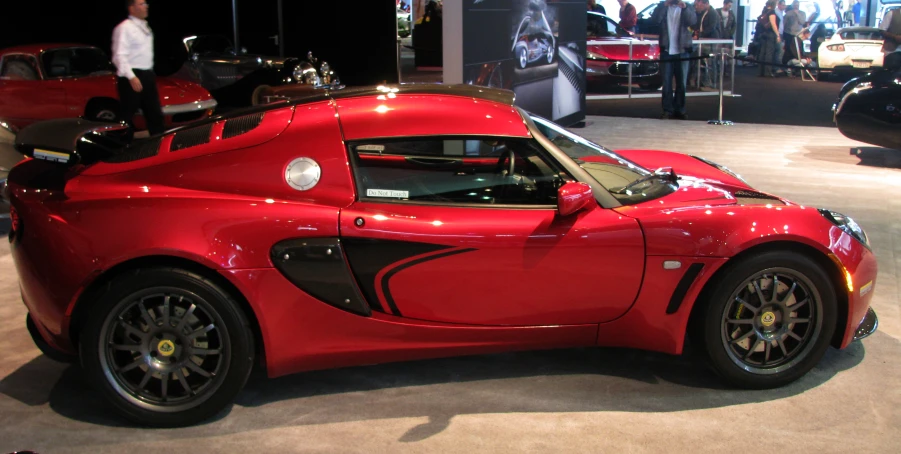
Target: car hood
x=176 y=91
x=701 y=183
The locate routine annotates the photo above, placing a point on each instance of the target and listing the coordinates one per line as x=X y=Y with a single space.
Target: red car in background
x=391 y=223
x=46 y=81
x=608 y=64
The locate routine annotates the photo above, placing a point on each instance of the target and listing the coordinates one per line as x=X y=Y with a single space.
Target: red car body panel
x=506 y=246
x=302 y=333
x=505 y=279
x=23 y=102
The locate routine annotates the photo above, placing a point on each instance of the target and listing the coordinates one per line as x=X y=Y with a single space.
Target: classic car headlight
x=847 y=224
x=325 y=73
x=722 y=168
x=305 y=73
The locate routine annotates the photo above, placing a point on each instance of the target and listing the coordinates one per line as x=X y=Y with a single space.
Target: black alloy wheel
x=167 y=347
x=768 y=320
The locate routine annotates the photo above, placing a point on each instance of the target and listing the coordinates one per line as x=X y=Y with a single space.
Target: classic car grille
x=191 y=137
x=241 y=125
x=139 y=149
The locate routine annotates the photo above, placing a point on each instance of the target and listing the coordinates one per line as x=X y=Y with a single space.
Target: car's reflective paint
x=489 y=278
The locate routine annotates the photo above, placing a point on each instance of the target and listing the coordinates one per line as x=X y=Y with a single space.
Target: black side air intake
x=317 y=266
x=241 y=125
x=191 y=137
x=682 y=288
x=139 y=149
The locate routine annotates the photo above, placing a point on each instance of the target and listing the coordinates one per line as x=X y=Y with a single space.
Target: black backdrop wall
x=358 y=39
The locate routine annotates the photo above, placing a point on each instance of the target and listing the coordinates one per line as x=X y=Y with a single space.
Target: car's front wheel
x=167 y=347
x=768 y=320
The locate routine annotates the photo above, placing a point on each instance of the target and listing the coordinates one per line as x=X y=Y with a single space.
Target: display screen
x=536 y=48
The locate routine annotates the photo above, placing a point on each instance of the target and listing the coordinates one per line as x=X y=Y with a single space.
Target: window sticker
x=387 y=193
x=379 y=148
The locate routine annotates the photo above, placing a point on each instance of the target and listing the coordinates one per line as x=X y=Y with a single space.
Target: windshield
x=616 y=174
x=76 y=62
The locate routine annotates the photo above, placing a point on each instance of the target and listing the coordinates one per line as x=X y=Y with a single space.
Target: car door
x=24 y=97
x=466 y=231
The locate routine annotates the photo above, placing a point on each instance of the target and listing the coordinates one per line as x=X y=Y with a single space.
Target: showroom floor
x=585 y=400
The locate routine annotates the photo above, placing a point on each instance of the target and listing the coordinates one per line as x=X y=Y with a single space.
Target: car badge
x=166 y=347
x=303 y=174
x=767 y=319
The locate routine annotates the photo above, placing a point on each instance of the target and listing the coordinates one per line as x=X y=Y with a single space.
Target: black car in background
x=868 y=108
x=236 y=78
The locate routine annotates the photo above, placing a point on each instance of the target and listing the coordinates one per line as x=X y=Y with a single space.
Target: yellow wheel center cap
x=166 y=347
x=767 y=319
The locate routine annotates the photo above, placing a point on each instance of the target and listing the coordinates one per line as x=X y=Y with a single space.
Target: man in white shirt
x=133 y=57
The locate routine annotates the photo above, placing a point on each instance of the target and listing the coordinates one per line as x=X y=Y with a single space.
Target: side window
x=490 y=170
x=19 y=67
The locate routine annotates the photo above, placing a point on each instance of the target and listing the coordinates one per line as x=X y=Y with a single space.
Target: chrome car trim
x=189 y=107
x=867 y=326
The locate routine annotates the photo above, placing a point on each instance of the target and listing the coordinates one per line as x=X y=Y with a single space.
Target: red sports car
x=396 y=223
x=608 y=63
x=46 y=81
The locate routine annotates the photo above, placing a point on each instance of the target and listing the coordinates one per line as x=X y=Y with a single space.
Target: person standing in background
x=595 y=7
x=728 y=18
x=891 y=35
x=767 y=33
x=133 y=57
x=628 y=16
x=675 y=43
x=780 y=46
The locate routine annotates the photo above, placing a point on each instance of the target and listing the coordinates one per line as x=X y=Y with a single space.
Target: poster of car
x=534 y=47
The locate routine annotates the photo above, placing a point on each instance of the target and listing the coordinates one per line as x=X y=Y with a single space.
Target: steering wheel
x=499 y=169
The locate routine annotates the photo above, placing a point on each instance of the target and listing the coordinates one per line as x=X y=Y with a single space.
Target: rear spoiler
x=67 y=141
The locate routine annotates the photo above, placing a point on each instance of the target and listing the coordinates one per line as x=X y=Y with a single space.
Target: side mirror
x=573 y=197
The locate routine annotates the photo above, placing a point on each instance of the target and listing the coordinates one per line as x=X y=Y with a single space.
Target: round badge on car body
x=303 y=174
x=767 y=319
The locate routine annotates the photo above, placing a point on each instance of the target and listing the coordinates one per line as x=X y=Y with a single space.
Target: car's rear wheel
x=107 y=111
x=523 y=58
x=167 y=347
x=768 y=320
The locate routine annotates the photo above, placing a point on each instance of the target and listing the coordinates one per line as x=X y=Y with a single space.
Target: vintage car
x=534 y=40
x=868 y=108
x=236 y=78
x=365 y=226
x=850 y=49
x=607 y=60
x=45 y=81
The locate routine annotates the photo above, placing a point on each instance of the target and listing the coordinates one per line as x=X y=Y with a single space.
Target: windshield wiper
x=663 y=173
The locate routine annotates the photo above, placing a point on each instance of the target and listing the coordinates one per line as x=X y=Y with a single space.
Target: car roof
x=397 y=110
x=38 y=48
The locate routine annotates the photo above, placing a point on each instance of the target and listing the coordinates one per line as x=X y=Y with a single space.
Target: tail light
x=836 y=47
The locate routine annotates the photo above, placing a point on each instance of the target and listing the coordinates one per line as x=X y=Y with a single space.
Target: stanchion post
x=398 y=59
x=630 y=69
x=719 y=121
x=732 y=77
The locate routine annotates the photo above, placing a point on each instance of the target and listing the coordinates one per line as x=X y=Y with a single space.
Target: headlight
x=325 y=72
x=722 y=168
x=595 y=56
x=847 y=224
x=305 y=73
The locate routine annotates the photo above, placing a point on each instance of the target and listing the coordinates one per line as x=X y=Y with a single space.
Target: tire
x=102 y=111
x=127 y=348
x=522 y=58
x=726 y=342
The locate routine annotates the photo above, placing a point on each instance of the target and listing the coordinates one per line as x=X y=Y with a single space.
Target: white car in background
x=851 y=49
